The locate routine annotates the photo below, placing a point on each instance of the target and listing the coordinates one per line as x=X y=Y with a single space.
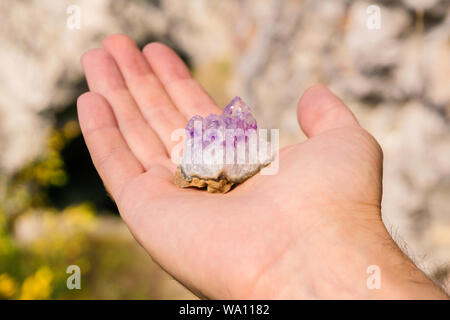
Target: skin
x=309 y=231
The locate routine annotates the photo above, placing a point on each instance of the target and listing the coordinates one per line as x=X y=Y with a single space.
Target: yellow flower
x=8 y=286
x=55 y=140
x=71 y=129
x=38 y=285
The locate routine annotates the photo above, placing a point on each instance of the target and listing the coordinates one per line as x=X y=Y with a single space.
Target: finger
x=319 y=110
x=149 y=94
x=104 y=77
x=110 y=154
x=185 y=92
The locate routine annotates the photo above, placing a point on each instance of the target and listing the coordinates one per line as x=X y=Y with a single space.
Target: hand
x=310 y=231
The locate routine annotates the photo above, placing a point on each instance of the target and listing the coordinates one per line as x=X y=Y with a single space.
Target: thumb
x=319 y=110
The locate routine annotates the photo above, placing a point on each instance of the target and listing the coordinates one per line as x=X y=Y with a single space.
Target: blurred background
x=54 y=211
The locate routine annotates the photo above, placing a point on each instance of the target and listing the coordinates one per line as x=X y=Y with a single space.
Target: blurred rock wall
x=396 y=79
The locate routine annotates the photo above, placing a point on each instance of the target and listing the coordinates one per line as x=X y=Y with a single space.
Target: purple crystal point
x=237 y=114
x=190 y=127
x=236 y=108
x=213 y=121
x=213 y=127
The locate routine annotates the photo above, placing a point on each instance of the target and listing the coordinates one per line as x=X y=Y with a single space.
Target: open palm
x=272 y=236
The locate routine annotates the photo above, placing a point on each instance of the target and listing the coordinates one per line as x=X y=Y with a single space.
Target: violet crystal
x=221 y=150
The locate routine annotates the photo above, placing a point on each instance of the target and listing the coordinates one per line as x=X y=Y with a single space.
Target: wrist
x=376 y=268
x=359 y=260
x=401 y=278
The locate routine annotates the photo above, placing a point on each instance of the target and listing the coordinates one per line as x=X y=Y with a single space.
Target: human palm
x=302 y=232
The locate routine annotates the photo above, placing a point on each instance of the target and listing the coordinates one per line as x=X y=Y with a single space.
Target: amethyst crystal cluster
x=222 y=150
x=236 y=115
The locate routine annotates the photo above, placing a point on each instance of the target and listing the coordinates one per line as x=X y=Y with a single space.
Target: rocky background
x=395 y=78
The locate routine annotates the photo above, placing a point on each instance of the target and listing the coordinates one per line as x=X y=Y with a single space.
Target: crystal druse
x=222 y=150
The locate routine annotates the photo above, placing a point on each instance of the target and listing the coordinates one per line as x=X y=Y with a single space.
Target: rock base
x=220 y=185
